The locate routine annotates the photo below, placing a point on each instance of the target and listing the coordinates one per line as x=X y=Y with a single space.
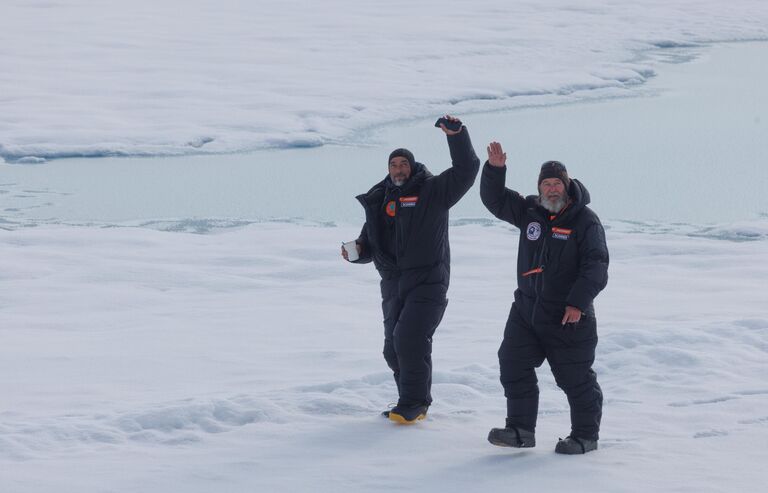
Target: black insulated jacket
x=417 y=214
x=563 y=261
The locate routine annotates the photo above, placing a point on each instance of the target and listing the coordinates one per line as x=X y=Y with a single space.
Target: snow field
x=250 y=360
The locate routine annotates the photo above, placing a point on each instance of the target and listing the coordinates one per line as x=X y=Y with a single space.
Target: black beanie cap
x=554 y=169
x=401 y=152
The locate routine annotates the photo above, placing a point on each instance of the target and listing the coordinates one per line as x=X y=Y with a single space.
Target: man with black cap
x=562 y=264
x=406 y=236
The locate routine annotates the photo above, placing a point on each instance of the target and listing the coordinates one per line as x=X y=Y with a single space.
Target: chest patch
x=533 y=231
x=408 y=201
x=561 y=233
x=391 y=208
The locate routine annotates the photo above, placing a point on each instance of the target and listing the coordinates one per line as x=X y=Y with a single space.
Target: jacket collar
x=385 y=186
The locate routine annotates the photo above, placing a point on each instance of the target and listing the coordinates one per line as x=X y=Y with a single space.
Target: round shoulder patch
x=533 y=231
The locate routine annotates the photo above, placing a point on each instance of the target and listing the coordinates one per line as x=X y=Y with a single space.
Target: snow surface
x=138 y=357
x=250 y=360
x=673 y=141
x=148 y=77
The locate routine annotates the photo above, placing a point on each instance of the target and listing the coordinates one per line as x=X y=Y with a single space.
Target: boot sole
x=578 y=451
x=402 y=421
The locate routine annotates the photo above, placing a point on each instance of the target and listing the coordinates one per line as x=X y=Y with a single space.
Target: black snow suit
x=406 y=236
x=562 y=261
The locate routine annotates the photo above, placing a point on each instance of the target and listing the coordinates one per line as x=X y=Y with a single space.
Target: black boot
x=575 y=446
x=408 y=414
x=512 y=437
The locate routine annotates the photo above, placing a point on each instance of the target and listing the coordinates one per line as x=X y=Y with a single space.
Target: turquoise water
x=691 y=147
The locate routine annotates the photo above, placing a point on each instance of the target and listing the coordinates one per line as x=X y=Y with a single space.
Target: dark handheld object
x=454 y=126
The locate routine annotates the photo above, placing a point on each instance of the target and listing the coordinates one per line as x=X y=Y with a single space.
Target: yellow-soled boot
x=406 y=415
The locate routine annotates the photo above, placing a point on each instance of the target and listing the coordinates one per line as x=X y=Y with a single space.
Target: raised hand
x=452 y=119
x=496 y=155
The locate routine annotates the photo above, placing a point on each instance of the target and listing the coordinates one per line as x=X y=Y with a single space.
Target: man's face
x=552 y=194
x=399 y=170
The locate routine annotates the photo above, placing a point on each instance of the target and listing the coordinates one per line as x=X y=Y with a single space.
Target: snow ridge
x=149 y=78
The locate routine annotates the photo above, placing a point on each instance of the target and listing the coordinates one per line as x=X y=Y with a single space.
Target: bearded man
x=562 y=264
x=406 y=236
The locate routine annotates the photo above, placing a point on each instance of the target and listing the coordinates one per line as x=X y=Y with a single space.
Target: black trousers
x=410 y=320
x=570 y=351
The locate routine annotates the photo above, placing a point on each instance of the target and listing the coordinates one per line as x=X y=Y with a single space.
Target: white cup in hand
x=351 y=248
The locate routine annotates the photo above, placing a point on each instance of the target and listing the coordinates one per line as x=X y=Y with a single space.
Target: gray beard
x=553 y=206
x=399 y=183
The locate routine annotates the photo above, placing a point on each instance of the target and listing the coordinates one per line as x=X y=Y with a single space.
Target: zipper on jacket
x=399 y=236
x=538 y=282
